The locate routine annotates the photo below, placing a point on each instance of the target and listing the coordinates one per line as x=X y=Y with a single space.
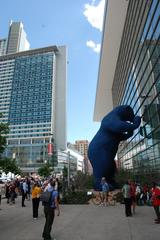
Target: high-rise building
x=17 y=38
x=33 y=102
x=3 y=46
x=129 y=74
x=82 y=147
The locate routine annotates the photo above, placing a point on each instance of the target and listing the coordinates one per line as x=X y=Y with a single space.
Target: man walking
x=49 y=211
x=127 y=199
x=105 y=191
x=24 y=189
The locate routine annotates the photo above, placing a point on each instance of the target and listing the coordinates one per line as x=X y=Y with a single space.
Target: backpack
x=46 y=198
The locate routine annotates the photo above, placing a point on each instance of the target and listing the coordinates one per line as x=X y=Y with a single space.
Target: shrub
x=119 y=197
x=77 y=197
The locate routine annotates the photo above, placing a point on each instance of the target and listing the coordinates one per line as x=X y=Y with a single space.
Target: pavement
x=79 y=222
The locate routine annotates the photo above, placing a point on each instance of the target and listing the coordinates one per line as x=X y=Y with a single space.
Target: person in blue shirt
x=49 y=211
x=105 y=191
x=24 y=189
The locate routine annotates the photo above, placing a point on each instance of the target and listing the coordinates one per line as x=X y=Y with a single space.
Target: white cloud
x=94 y=14
x=96 y=47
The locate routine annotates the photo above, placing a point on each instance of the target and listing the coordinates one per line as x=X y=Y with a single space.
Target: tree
x=147 y=175
x=123 y=175
x=4 y=129
x=9 y=165
x=45 y=170
x=54 y=159
x=143 y=175
x=83 y=181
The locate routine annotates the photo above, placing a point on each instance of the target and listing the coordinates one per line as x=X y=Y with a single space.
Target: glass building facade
x=137 y=83
x=27 y=102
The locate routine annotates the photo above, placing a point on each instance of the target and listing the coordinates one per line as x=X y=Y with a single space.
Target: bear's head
x=125 y=112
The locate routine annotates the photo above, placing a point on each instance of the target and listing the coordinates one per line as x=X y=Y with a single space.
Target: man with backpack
x=50 y=203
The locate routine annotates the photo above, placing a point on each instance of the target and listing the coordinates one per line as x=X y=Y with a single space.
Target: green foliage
x=123 y=175
x=147 y=175
x=78 y=197
x=83 y=181
x=77 y=192
x=9 y=165
x=143 y=175
x=45 y=170
x=4 y=129
x=54 y=159
x=119 y=197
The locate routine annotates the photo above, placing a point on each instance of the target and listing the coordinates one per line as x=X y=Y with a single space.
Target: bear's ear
x=128 y=108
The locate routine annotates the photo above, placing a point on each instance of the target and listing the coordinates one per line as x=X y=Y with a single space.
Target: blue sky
x=76 y=24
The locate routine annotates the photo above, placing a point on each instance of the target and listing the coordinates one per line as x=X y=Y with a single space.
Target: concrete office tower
x=17 y=39
x=82 y=147
x=33 y=102
x=129 y=73
x=3 y=46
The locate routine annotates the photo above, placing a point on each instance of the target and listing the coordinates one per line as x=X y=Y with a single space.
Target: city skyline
x=78 y=29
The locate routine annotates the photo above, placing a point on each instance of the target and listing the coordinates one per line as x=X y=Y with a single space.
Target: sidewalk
x=79 y=222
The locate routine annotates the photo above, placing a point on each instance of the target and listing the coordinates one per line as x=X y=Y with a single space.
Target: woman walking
x=36 y=191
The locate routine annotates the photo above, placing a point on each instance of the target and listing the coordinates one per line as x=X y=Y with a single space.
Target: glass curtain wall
x=137 y=83
x=30 y=110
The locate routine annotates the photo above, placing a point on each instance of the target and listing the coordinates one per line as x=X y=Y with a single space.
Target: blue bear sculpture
x=116 y=126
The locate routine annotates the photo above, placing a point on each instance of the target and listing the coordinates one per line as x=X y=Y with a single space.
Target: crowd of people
x=32 y=189
x=135 y=194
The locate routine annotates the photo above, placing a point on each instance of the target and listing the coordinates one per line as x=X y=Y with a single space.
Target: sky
x=78 y=25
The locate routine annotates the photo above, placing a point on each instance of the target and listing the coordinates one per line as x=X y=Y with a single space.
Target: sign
x=50 y=148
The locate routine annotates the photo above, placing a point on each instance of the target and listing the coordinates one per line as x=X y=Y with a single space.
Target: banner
x=50 y=148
